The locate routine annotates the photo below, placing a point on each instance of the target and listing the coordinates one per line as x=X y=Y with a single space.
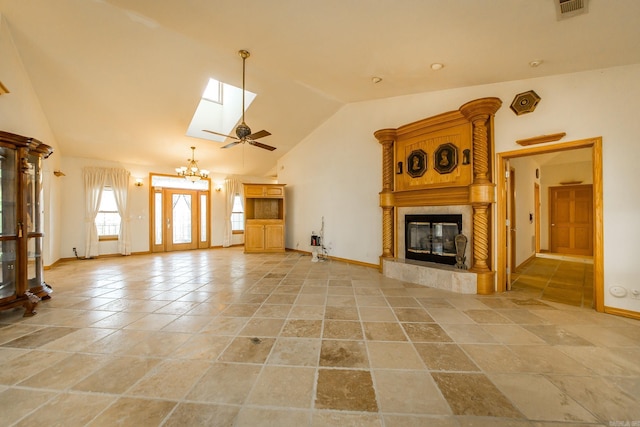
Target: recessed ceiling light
x=535 y=63
x=376 y=79
x=437 y=66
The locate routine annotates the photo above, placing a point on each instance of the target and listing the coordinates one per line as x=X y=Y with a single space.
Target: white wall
x=336 y=171
x=21 y=113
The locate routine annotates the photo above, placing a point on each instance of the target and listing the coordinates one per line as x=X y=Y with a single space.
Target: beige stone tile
x=279 y=311
x=187 y=323
x=377 y=314
x=116 y=375
x=202 y=347
x=468 y=334
x=158 y=344
x=170 y=380
x=225 y=383
x=346 y=390
x=401 y=301
x=449 y=315
x=495 y=358
x=222 y=325
x=603 y=398
x=118 y=320
x=66 y=372
x=16 y=403
x=548 y=359
x=264 y=417
x=284 y=386
x=444 y=357
x=409 y=392
x=281 y=299
x=486 y=316
x=393 y=355
x=262 y=327
x=68 y=409
x=341 y=301
x=420 y=421
x=426 y=332
x=302 y=328
x=328 y=418
x=152 y=322
x=371 y=301
x=134 y=412
x=383 y=331
x=247 y=350
x=78 y=340
x=39 y=337
x=19 y=368
x=512 y=334
x=198 y=414
x=341 y=313
x=11 y=332
x=474 y=394
x=315 y=312
x=538 y=399
x=118 y=342
x=295 y=352
x=339 y=329
x=521 y=316
x=412 y=315
x=345 y=354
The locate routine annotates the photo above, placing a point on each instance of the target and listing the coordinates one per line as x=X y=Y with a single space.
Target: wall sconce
x=138 y=182
x=218 y=188
x=58 y=173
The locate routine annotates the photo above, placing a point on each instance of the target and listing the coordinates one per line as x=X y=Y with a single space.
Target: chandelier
x=191 y=171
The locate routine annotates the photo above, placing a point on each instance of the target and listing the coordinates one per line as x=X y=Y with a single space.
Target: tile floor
x=217 y=337
x=568 y=280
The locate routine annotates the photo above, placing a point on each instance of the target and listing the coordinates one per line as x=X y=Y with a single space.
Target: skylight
x=219 y=110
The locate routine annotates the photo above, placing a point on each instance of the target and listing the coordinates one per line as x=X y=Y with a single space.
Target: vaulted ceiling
x=120 y=79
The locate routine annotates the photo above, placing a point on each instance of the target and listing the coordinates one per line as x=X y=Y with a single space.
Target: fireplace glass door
x=432 y=237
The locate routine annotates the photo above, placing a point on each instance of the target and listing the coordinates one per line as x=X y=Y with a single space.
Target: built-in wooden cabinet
x=22 y=269
x=264 y=211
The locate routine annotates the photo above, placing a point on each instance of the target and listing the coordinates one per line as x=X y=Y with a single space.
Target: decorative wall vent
x=570 y=8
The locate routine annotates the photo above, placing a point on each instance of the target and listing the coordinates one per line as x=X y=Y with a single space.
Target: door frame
x=598 y=226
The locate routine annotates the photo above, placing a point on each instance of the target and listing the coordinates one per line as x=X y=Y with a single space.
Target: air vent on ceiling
x=570 y=8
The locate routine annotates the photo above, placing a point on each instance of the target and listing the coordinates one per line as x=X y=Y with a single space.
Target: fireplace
x=432 y=237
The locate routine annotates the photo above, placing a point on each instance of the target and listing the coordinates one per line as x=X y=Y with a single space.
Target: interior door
x=536 y=204
x=571 y=219
x=181 y=214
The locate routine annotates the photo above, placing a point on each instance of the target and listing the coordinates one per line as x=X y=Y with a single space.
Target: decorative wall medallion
x=525 y=102
x=445 y=159
x=417 y=163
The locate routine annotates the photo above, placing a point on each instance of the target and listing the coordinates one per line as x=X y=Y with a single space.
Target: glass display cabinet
x=22 y=274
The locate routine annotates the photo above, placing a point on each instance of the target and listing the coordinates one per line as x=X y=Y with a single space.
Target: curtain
x=232 y=187
x=94 y=180
x=120 y=184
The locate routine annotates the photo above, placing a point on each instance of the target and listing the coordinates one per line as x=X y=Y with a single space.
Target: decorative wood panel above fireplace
x=447 y=162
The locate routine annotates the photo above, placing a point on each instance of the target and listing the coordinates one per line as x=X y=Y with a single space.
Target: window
x=237 y=216
x=108 y=218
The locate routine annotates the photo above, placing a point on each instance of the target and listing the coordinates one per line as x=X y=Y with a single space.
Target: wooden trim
x=621 y=312
x=332 y=258
x=107 y=238
x=432 y=197
x=541 y=139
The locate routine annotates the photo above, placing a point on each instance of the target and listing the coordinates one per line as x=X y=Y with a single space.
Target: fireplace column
x=387 y=138
x=482 y=190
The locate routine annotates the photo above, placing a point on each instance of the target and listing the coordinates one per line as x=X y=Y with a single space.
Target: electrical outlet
x=74 y=249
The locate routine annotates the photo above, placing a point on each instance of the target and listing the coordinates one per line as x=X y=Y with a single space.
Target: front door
x=181 y=215
x=571 y=219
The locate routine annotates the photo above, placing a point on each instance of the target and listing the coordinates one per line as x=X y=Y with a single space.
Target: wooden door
x=571 y=219
x=181 y=212
x=536 y=204
x=512 y=224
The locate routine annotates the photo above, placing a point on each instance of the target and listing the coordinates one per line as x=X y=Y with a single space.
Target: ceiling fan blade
x=261 y=145
x=232 y=144
x=220 y=134
x=259 y=134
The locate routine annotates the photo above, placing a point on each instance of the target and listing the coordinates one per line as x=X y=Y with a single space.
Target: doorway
x=596 y=211
x=180 y=216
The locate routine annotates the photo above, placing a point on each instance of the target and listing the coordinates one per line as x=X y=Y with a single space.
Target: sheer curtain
x=94 y=180
x=120 y=183
x=231 y=187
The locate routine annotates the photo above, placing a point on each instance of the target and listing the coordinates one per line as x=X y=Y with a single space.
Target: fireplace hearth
x=432 y=237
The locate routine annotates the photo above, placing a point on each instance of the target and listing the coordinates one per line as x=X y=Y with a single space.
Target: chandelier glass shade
x=192 y=172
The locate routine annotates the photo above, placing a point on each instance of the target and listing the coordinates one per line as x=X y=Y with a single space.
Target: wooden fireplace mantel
x=439 y=161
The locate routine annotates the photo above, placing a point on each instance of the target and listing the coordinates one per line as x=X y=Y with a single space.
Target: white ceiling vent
x=570 y=8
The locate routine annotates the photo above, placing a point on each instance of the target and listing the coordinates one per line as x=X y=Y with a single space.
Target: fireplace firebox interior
x=432 y=237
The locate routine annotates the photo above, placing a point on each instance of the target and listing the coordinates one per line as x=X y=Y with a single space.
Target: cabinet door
x=273 y=191
x=8 y=222
x=274 y=236
x=254 y=237
x=254 y=191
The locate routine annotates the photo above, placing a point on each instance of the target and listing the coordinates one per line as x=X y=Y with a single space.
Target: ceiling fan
x=243 y=131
